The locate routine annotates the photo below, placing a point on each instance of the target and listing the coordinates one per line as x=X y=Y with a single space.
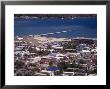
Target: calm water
x=81 y=27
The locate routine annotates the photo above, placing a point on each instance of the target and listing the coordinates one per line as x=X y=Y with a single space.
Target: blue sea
x=77 y=27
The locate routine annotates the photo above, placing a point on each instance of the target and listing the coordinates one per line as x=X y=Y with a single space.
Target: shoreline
x=93 y=38
x=39 y=40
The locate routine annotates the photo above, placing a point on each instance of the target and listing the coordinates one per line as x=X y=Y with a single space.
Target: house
x=35 y=59
x=50 y=73
x=85 y=53
x=68 y=74
x=74 y=55
x=80 y=47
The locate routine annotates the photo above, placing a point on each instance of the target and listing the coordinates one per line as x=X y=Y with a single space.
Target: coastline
x=46 y=37
x=55 y=45
x=39 y=40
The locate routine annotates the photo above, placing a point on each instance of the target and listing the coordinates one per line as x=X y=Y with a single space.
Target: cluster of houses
x=75 y=57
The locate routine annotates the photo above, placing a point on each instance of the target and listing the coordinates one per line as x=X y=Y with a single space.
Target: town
x=40 y=55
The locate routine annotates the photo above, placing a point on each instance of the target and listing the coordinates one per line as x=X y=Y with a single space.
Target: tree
x=81 y=61
x=19 y=64
x=62 y=65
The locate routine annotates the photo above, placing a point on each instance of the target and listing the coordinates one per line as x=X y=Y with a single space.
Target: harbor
x=55 y=44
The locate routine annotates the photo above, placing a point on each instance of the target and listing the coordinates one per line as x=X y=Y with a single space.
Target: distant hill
x=53 y=15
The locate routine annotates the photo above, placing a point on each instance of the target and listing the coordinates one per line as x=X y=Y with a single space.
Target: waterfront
x=55 y=46
x=45 y=56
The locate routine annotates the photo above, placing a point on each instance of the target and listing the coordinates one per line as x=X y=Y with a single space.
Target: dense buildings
x=37 y=55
